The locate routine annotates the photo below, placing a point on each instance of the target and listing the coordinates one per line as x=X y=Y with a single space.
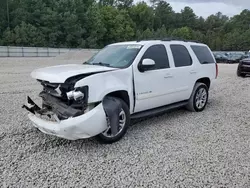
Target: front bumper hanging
x=86 y=125
x=31 y=106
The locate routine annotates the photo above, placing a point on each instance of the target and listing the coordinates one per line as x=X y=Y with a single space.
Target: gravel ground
x=178 y=149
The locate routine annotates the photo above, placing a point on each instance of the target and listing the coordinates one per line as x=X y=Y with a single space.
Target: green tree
x=188 y=17
x=183 y=32
x=24 y=35
x=119 y=26
x=142 y=15
x=96 y=23
x=164 y=15
x=95 y=28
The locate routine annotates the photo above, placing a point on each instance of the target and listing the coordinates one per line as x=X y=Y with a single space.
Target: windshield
x=118 y=56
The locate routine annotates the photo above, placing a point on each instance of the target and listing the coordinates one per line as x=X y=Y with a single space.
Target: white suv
x=122 y=81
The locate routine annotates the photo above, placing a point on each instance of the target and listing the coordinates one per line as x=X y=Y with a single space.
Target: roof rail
x=196 y=41
x=173 y=38
x=179 y=39
x=170 y=39
x=147 y=39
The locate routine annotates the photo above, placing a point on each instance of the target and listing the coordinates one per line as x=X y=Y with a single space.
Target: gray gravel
x=178 y=149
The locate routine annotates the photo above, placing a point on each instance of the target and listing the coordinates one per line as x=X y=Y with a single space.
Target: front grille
x=51 y=88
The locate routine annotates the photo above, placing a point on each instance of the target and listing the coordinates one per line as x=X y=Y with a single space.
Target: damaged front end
x=65 y=111
x=60 y=101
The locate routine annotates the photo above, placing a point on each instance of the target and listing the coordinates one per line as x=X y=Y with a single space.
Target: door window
x=181 y=55
x=203 y=54
x=157 y=53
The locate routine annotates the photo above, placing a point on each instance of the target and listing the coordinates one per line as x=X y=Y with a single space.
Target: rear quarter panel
x=205 y=70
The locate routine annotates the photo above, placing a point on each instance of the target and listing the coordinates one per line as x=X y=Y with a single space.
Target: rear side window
x=203 y=54
x=157 y=53
x=181 y=55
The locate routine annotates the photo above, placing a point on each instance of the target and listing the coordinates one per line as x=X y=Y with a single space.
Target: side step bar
x=159 y=110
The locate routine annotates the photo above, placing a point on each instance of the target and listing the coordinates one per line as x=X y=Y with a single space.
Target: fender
x=104 y=83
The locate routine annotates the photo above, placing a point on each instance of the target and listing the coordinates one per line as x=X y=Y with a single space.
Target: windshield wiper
x=101 y=64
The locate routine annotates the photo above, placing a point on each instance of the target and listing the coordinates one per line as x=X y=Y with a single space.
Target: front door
x=153 y=87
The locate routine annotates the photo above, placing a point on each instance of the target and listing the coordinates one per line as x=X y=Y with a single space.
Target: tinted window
x=181 y=55
x=203 y=54
x=159 y=54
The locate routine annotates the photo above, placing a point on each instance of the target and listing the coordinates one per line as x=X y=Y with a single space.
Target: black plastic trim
x=158 y=110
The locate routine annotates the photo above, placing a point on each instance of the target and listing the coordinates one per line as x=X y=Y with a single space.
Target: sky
x=205 y=8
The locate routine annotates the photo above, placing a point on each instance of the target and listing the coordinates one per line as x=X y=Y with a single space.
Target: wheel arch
x=205 y=81
x=121 y=94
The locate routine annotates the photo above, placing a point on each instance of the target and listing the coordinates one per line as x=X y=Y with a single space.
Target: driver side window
x=157 y=53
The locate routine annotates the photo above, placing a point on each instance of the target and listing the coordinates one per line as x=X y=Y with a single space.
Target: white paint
x=152 y=89
x=102 y=84
x=84 y=126
x=59 y=73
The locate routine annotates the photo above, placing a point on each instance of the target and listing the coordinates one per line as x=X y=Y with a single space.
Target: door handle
x=193 y=72
x=168 y=76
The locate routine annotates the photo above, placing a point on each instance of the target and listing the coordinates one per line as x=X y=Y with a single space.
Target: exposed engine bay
x=61 y=101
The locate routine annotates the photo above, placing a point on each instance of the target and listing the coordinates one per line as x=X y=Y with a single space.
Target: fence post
x=37 y=52
x=8 y=53
x=22 y=52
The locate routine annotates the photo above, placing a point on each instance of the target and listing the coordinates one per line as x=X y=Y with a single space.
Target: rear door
x=184 y=71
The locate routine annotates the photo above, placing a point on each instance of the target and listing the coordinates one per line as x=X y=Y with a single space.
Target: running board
x=159 y=110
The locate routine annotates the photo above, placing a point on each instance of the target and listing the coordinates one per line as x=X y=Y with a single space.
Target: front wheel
x=199 y=98
x=124 y=121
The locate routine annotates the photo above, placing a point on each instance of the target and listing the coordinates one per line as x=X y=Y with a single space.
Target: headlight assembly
x=76 y=94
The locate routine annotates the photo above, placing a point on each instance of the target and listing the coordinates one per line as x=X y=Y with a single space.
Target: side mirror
x=146 y=64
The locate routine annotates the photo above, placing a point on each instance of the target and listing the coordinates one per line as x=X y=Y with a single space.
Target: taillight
x=217 y=71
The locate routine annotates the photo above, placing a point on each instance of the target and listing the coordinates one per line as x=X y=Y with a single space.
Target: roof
x=145 y=42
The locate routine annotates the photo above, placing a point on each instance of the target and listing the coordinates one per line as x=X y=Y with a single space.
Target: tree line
x=94 y=24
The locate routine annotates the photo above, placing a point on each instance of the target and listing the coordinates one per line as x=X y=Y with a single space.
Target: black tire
x=192 y=105
x=239 y=74
x=109 y=140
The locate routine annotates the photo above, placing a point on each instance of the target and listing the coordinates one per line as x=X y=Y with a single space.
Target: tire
x=109 y=139
x=195 y=106
x=239 y=74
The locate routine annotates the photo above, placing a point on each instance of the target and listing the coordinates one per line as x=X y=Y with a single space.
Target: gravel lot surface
x=178 y=149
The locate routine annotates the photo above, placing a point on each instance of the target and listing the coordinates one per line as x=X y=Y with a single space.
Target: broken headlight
x=77 y=94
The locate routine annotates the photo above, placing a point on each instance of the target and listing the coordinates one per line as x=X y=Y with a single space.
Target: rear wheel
x=199 y=98
x=124 y=121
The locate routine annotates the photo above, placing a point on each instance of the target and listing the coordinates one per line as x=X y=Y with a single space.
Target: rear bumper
x=87 y=125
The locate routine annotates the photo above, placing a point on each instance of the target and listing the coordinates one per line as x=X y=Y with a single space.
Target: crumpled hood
x=59 y=73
